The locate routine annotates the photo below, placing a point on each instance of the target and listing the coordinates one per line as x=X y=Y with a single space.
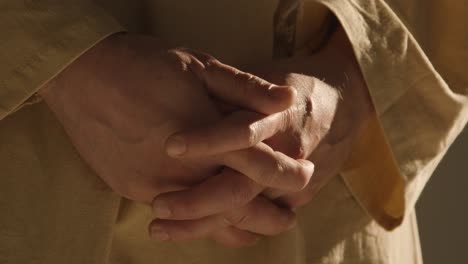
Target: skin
x=321 y=125
x=121 y=100
x=213 y=144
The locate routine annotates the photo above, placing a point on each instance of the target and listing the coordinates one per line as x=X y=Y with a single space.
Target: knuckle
x=211 y=64
x=277 y=169
x=303 y=176
x=239 y=195
x=238 y=220
x=298 y=146
x=298 y=151
x=287 y=117
x=178 y=59
x=266 y=176
x=178 y=54
x=250 y=134
x=242 y=217
x=242 y=82
x=243 y=190
x=249 y=85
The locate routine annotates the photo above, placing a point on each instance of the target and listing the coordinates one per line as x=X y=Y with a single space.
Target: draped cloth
x=412 y=53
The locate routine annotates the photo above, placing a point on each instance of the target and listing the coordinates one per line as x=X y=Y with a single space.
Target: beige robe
x=54 y=209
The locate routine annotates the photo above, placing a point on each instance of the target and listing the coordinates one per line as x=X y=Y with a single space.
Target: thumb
x=241 y=88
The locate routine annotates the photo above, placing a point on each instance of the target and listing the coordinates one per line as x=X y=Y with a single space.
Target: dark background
x=442 y=209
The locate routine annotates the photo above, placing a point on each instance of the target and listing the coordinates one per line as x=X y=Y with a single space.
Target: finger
x=241 y=88
x=235 y=238
x=270 y=168
x=262 y=216
x=330 y=159
x=217 y=194
x=259 y=216
x=185 y=230
x=239 y=130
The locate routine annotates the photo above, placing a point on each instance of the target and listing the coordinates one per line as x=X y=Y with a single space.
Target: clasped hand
x=225 y=153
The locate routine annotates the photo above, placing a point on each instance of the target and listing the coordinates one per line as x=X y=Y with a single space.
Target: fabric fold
x=40 y=39
x=418 y=114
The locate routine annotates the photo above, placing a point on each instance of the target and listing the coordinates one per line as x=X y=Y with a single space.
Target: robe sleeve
x=414 y=57
x=39 y=39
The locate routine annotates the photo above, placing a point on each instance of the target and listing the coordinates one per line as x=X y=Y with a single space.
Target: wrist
x=87 y=61
x=342 y=71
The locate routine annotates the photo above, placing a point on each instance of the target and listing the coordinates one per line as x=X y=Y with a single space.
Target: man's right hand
x=123 y=98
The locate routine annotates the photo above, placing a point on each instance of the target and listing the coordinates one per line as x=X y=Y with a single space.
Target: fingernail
x=161 y=210
x=279 y=92
x=175 y=146
x=159 y=234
